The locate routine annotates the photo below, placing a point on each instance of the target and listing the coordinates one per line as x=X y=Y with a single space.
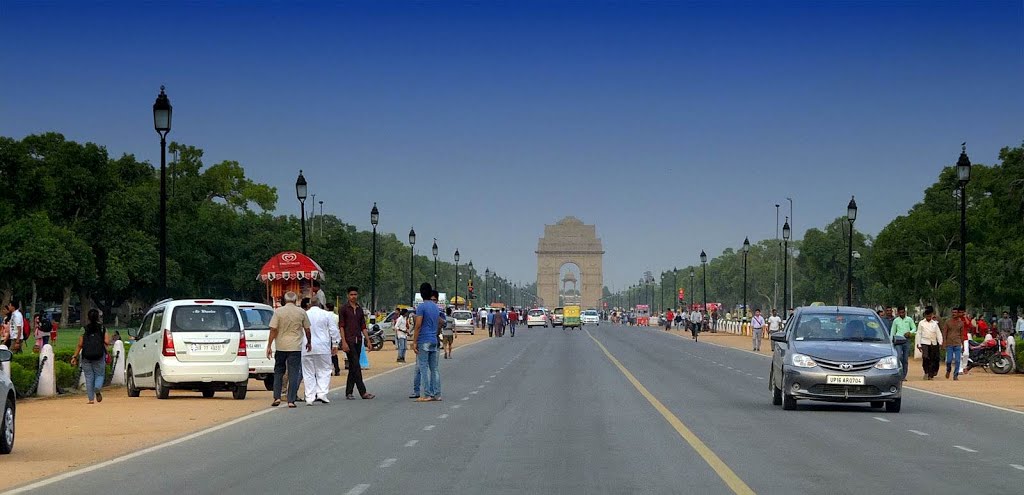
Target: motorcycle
x=376 y=337
x=990 y=355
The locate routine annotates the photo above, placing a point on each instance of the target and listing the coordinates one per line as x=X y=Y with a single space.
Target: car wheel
x=893 y=406
x=162 y=392
x=207 y=393
x=7 y=428
x=133 y=391
x=238 y=393
x=776 y=395
x=472 y=332
x=268 y=382
x=876 y=404
x=788 y=402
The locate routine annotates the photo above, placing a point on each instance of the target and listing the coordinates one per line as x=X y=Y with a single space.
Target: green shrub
x=67 y=375
x=26 y=360
x=22 y=378
x=1020 y=358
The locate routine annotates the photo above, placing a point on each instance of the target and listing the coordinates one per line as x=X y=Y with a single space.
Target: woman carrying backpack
x=92 y=346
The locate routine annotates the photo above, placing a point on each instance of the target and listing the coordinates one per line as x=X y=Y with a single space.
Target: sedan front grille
x=838 y=365
x=845 y=390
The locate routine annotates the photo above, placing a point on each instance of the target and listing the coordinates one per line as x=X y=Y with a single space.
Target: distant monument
x=570 y=241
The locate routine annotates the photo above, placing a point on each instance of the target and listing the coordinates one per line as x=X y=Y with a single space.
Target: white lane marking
x=474 y=392
x=464 y=398
x=388 y=462
x=492 y=376
x=880 y=419
x=1017 y=466
x=918 y=433
x=443 y=416
x=730 y=367
x=965 y=449
x=456 y=406
x=760 y=378
x=487 y=381
x=411 y=443
x=428 y=427
x=358 y=489
x=481 y=386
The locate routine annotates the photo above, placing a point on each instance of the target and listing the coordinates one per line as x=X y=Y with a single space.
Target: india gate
x=570 y=241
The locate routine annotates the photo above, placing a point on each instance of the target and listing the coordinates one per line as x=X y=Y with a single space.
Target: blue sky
x=672 y=126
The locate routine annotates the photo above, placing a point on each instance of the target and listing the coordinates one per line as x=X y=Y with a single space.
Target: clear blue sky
x=673 y=126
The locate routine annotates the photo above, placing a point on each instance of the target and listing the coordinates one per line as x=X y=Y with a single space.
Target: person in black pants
x=352 y=321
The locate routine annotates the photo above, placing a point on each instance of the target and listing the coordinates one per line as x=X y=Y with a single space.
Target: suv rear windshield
x=840 y=326
x=204 y=318
x=256 y=318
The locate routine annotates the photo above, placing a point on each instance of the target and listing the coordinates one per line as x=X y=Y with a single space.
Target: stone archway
x=570 y=241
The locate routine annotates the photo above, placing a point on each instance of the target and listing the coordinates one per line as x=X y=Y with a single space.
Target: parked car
x=835 y=354
x=256 y=326
x=189 y=344
x=7 y=420
x=464 y=321
x=536 y=318
x=590 y=317
x=556 y=317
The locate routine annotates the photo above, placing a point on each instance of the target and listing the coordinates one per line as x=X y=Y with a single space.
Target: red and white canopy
x=290 y=265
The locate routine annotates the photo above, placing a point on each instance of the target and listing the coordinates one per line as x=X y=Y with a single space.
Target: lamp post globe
x=162 y=123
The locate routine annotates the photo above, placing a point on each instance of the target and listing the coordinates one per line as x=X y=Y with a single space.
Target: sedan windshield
x=840 y=326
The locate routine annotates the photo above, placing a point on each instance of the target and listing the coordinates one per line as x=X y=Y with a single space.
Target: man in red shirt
x=513 y=318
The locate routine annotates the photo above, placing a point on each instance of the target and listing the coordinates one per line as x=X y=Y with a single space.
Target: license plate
x=844 y=380
x=206 y=348
x=254 y=345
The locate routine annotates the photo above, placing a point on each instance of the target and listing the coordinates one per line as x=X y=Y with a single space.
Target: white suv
x=590 y=317
x=189 y=344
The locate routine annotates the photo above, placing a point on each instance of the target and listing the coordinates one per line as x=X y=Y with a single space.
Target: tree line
x=914 y=259
x=79 y=226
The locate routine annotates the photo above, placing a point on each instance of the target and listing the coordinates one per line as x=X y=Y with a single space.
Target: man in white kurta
x=316 y=362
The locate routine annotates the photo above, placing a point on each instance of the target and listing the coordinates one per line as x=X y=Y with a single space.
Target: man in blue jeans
x=953 y=337
x=424 y=336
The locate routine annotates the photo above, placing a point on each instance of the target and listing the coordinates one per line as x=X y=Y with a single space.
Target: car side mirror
x=899 y=340
x=778 y=337
x=5 y=355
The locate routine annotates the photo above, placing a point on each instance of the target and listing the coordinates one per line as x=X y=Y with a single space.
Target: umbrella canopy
x=290 y=265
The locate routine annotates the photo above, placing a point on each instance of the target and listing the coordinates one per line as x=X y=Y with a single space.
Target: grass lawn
x=67 y=338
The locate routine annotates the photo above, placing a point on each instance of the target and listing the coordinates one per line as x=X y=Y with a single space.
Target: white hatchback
x=536 y=317
x=190 y=344
x=464 y=321
x=590 y=317
x=256 y=326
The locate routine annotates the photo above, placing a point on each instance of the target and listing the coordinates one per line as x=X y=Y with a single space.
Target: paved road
x=551 y=412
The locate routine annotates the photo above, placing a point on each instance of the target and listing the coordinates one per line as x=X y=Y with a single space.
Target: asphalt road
x=551 y=412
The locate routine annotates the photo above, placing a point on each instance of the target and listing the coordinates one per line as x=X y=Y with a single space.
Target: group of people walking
x=951 y=335
x=496 y=321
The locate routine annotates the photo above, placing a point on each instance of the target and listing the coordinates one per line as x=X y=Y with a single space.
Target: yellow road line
x=721 y=468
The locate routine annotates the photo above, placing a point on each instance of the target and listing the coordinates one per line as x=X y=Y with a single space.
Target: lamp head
x=162 y=113
x=374 y=214
x=851 y=210
x=300 y=187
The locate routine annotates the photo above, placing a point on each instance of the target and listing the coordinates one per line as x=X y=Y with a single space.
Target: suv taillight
x=242 y=349
x=168 y=343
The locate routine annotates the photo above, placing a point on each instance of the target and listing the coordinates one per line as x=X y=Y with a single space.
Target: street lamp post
x=691 y=284
x=412 y=261
x=663 y=291
x=746 y=249
x=162 y=124
x=321 y=219
x=456 y=278
x=704 y=273
x=851 y=215
x=300 y=192
x=434 y=251
x=786 y=231
x=675 y=285
x=963 y=174
x=487 y=280
x=374 y=216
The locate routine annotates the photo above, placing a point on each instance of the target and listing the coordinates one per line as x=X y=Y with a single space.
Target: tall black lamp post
x=746 y=249
x=786 y=231
x=851 y=215
x=456 y=278
x=434 y=251
x=704 y=273
x=300 y=192
x=663 y=291
x=487 y=280
x=374 y=216
x=162 y=124
x=963 y=175
x=675 y=285
x=412 y=261
x=691 y=284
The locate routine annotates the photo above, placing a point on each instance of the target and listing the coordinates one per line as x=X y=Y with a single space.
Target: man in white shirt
x=482 y=317
x=317 y=295
x=695 y=320
x=316 y=358
x=774 y=322
x=756 y=328
x=17 y=326
x=335 y=319
x=402 y=333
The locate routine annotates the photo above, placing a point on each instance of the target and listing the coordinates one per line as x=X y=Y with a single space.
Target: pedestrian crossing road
x=609 y=409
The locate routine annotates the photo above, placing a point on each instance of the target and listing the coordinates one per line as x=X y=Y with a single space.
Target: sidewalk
x=989 y=388
x=60 y=434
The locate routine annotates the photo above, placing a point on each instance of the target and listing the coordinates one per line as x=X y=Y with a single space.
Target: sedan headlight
x=801 y=361
x=888 y=363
